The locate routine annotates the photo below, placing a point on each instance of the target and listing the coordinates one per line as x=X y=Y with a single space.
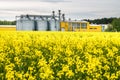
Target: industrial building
x=53 y=23
x=79 y=26
x=38 y=22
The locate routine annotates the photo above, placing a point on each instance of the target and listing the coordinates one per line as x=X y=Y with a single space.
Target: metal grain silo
x=42 y=25
x=19 y=24
x=54 y=25
x=58 y=25
x=27 y=24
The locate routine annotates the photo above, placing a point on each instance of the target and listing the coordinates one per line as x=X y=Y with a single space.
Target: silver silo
x=25 y=24
x=58 y=25
x=42 y=25
x=19 y=25
x=54 y=25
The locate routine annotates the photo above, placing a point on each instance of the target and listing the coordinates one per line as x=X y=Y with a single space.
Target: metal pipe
x=63 y=16
x=35 y=24
x=53 y=14
x=27 y=16
x=59 y=15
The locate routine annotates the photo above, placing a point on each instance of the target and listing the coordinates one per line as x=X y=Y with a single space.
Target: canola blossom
x=59 y=56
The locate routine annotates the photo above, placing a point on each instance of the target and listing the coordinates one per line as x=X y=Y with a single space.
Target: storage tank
x=19 y=25
x=42 y=25
x=54 y=25
x=25 y=24
x=28 y=25
x=58 y=25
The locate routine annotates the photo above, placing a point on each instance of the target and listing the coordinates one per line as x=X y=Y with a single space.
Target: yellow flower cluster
x=59 y=56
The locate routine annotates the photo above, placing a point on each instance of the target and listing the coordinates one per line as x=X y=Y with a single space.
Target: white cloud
x=72 y=8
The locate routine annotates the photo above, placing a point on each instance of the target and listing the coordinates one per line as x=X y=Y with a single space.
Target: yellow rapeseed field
x=7 y=28
x=59 y=56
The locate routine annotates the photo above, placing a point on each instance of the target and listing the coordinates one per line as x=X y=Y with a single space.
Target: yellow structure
x=81 y=26
x=95 y=28
x=77 y=26
x=7 y=27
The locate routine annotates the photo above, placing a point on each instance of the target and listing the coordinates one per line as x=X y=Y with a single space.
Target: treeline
x=7 y=22
x=113 y=23
x=95 y=21
x=114 y=26
x=101 y=21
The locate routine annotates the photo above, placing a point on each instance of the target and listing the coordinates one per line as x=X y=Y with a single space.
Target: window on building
x=84 y=25
x=76 y=25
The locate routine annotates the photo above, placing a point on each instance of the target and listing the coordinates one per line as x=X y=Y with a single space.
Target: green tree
x=110 y=28
x=116 y=24
x=7 y=22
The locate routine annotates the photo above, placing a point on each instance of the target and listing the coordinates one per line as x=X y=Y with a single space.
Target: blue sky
x=75 y=9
